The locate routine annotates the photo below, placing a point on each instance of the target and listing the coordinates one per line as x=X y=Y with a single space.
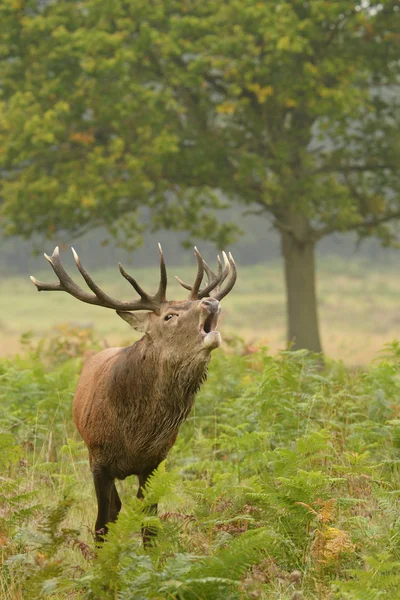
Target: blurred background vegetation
x=187 y=118
x=358 y=290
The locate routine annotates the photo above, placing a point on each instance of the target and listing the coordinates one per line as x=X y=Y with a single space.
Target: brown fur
x=130 y=402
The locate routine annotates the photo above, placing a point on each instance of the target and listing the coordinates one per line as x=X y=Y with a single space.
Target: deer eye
x=168 y=317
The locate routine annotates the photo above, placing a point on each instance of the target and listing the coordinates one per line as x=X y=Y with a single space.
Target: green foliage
x=379 y=579
x=31 y=396
x=107 y=107
x=160 y=114
x=283 y=480
x=64 y=342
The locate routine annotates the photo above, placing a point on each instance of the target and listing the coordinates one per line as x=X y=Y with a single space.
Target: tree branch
x=365 y=224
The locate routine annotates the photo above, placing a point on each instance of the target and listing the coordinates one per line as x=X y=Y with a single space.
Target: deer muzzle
x=210 y=310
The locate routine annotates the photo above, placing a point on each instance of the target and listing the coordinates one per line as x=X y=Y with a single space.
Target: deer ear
x=138 y=321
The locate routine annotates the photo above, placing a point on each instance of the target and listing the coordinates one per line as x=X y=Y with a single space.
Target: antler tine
x=204 y=292
x=222 y=271
x=199 y=276
x=100 y=298
x=133 y=283
x=183 y=284
x=232 y=280
x=227 y=260
x=46 y=287
x=219 y=265
x=214 y=280
x=65 y=283
x=160 y=296
x=146 y=302
x=162 y=288
x=209 y=272
x=225 y=269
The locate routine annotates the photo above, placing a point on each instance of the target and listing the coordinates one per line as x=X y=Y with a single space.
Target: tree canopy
x=287 y=107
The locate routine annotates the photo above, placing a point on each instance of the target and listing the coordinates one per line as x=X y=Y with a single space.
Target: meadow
x=283 y=484
x=358 y=306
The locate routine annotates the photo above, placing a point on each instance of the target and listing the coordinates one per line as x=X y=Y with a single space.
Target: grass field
x=358 y=307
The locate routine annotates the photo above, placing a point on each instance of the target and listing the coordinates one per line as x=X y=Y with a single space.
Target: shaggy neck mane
x=145 y=373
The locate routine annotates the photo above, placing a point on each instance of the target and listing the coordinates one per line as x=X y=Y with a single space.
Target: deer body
x=130 y=402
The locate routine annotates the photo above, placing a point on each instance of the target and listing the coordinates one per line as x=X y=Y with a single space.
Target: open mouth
x=209 y=324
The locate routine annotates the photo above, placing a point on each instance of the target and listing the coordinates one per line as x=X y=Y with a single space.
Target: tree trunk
x=299 y=257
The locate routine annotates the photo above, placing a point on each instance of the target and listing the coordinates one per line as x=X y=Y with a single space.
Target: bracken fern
x=283 y=481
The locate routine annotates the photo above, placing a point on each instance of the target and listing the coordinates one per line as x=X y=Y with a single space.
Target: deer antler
x=214 y=280
x=100 y=298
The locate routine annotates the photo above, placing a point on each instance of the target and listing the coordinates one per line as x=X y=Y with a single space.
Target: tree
x=286 y=107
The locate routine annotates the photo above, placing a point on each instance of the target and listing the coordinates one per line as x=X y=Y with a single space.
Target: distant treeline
x=97 y=250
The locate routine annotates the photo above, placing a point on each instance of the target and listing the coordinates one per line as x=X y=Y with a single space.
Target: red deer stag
x=130 y=402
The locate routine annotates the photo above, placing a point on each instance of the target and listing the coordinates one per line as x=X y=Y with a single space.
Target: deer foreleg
x=115 y=504
x=103 y=484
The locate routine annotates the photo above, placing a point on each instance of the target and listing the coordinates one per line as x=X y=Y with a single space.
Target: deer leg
x=115 y=504
x=103 y=484
x=148 y=533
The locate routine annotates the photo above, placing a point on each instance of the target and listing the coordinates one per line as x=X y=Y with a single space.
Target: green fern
x=284 y=479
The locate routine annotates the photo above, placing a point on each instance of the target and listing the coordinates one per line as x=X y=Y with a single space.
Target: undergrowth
x=283 y=484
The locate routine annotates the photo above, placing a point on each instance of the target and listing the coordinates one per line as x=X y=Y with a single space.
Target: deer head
x=182 y=327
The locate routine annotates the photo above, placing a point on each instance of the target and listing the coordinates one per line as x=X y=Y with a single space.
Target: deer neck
x=150 y=374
